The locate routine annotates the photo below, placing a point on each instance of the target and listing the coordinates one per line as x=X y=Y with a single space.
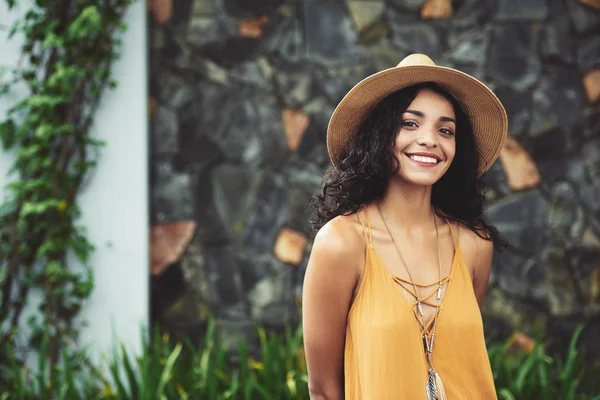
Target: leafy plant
x=217 y=370
x=69 y=47
x=520 y=374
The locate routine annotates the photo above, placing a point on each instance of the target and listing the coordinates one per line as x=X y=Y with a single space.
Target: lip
x=424 y=164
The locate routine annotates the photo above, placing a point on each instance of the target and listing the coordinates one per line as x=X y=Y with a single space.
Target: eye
x=409 y=123
x=446 y=131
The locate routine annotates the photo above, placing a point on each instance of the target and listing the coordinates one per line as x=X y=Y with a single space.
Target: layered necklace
x=434 y=388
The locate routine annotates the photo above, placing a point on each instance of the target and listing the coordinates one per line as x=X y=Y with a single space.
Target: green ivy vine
x=65 y=66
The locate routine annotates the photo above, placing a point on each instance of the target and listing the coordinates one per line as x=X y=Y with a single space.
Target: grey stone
x=505 y=313
x=303 y=179
x=182 y=10
x=373 y=34
x=294 y=83
x=518 y=107
x=556 y=40
x=335 y=83
x=196 y=151
x=224 y=277
x=250 y=8
x=210 y=229
x=285 y=39
x=566 y=220
x=233 y=51
x=205 y=29
x=551 y=145
x=583 y=263
x=416 y=38
x=320 y=108
x=588 y=52
x=469 y=46
x=267 y=216
x=520 y=277
x=410 y=5
x=522 y=219
x=495 y=180
x=472 y=13
x=329 y=19
x=562 y=169
x=591 y=158
x=175 y=91
x=560 y=89
x=302 y=173
x=273 y=289
x=521 y=10
x=255 y=268
x=208 y=69
x=314 y=137
x=234 y=190
x=365 y=12
x=320 y=157
x=298 y=215
x=244 y=123
x=165 y=129
x=590 y=185
x=256 y=72
x=562 y=296
x=513 y=57
x=591 y=122
x=204 y=7
x=382 y=55
x=193 y=267
x=585 y=19
x=171 y=193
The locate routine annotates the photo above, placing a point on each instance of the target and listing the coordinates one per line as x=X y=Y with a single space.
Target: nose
x=428 y=138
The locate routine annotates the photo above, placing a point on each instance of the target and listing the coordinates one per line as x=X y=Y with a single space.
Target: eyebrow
x=420 y=114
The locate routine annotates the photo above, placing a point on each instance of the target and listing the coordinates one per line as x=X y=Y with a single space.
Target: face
x=425 y=144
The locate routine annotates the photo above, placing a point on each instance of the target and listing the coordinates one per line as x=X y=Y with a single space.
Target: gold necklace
x=434 y=389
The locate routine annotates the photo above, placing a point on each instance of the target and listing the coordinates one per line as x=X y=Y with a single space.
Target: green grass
x=180 y=370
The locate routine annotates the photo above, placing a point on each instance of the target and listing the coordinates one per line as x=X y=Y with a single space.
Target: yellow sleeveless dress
x=383 y=356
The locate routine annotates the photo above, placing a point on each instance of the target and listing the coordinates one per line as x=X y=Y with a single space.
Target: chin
x=420 y=179
x=420 y=176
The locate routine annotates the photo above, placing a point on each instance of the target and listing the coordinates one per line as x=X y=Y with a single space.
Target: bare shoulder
x=341 y=239
x=478 y=253
x=477 y=250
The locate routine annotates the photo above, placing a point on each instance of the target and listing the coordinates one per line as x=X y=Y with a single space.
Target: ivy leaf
x=89 y=21
x=83 y=288
x=53 y=41
x=44 y=131
x=7 y=134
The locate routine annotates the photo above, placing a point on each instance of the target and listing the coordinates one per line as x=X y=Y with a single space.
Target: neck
x=407 y=204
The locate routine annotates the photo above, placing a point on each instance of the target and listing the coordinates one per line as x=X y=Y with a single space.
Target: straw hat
x=486 y=113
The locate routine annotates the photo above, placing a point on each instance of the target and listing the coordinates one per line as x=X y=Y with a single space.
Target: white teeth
x=424 y=159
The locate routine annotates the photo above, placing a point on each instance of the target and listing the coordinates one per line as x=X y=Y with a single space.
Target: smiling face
x=425 y=145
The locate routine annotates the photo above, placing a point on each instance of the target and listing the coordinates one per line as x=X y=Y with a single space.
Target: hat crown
x=416 y=59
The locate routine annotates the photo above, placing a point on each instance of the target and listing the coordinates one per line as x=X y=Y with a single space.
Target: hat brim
x=486 y=113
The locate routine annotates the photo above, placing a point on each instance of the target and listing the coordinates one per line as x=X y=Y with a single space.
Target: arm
x=482 y=266
x=331 y=276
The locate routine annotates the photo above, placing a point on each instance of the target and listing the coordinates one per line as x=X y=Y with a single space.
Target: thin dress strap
x=367 y=228
x=454 y=237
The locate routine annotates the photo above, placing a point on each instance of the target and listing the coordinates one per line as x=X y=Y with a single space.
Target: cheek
x=450 y=150
x=401 y=141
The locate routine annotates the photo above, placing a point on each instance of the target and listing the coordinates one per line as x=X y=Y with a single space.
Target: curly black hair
x=364 y=172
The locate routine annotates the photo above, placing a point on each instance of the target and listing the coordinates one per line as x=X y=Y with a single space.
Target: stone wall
x=241 y=95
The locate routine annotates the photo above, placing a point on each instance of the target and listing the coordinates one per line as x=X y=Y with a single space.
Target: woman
x=400 y=265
